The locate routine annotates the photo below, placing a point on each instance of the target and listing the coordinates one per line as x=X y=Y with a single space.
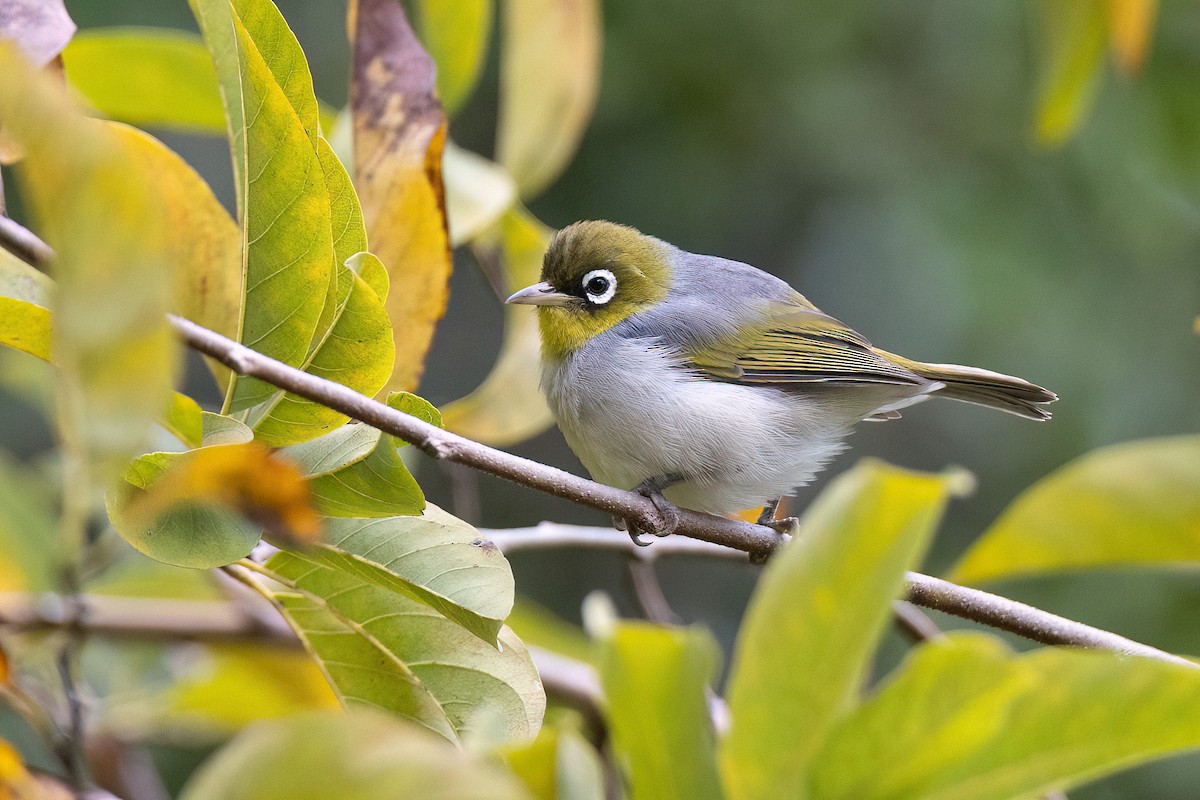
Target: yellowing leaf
x=153 y=77
x=399 y=133
x=25 y=327
x=1131 y=24
x=40 y=28
x=1132 y=503
x=814 y=620
x=478 y=192
x=549 y=75
x=456 y=33
x=1073 y=38
x=115 y=352
x=508 y=407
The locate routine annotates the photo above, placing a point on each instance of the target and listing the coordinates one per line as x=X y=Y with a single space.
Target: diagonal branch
x=717 y=536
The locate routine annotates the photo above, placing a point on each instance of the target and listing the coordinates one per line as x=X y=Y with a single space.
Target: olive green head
x=595 y=274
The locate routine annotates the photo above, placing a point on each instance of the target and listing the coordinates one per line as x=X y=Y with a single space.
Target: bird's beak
x=540 y=294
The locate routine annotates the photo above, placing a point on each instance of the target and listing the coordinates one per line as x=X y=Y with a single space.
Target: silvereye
x=710 y=383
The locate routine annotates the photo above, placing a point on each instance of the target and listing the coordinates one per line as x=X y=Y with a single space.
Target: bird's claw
x=785 y=525
x=664 y=525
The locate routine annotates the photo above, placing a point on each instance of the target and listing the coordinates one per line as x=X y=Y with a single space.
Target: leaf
x=478 y=192
x=1132 y=503
x=355 y=471
x=40 y=28
x=414 y=406
x=28 y=531
x=1033 y=728
x=435 y=559
x=654 y=680
x=184 y=419
x=949 y=699
x=1072 y=44
x=115 y=351
x=456 y=34
x=508 y=407
x=20 y=281
x=149 y=77
x=421 y=650
x=815 y=619
x=221 y=429
x=206 y=508
x=399 y=133
x=549 y=77
x=364 y=756
x=1131 y=23
x=558 y=765
x=540 y=627
x=25 y=327
x=283 y=202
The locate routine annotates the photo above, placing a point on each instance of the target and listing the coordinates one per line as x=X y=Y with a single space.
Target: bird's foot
x=668 y=514
x=786 y=525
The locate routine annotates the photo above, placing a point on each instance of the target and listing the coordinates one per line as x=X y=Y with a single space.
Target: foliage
x=337 y=262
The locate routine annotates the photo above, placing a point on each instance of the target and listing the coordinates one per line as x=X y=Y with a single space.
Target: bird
x=708 y=384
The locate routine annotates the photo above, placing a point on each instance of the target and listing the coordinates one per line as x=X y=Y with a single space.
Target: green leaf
x=478 y=192
x=116 y=354
x=355 y=471
x=149 y=77
x=283 y=202
x=25 y=327
x=542 y=628
x=434 y=558
x=948 y=700
x=184 y=419
x=814 y=621
x=28 y=531
x=558 y=765
x=399 y=134
x=654 y=680
x=361 y=756
x=549 y=75
x=466 y=677
x=508 y=407
x=1073 y=38
x=1132 y=503
x=415 y=406
x=456 y=34
x=965 y=720
x=222 y=429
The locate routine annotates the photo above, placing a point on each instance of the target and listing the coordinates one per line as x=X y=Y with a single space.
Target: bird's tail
x=985 y=388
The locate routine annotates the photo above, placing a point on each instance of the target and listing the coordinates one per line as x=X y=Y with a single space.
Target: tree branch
x=731 y=536
x=24 y=243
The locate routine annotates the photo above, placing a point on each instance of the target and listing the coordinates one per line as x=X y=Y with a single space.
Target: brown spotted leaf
x=399 y=135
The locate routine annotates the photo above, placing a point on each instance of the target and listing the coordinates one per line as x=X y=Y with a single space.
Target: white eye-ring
x=600 y=285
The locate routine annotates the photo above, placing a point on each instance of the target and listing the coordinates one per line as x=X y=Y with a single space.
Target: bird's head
x=594 y=275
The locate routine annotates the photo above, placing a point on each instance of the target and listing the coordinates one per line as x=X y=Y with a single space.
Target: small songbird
x=710 y=383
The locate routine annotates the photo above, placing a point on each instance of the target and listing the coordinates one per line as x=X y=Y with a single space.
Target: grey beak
x=540 y=294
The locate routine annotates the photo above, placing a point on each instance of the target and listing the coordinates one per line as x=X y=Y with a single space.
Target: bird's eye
x=599 y=285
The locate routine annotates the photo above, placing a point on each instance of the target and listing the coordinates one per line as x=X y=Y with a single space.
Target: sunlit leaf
x=40 y=28
x=355 y=471
x=455 y=33
x=364 y=756
x=549 y=75
x=1132 y=503
x=28 y=531
x=654 y=682
x=478 y=192
x=184 y=419
x=558 y=765
x=207 y=507
x=25 y=327
x=114 y=349
x=154 y=77
x=1131 y=26
x=1073 y=36
x=508 y=407
x=435 y=558
x=283 y=202
x=399 y=133
x=815 y=619
x=1013 y=726
x=426 y=657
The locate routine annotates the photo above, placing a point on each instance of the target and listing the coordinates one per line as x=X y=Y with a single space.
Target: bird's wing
x=797 y=343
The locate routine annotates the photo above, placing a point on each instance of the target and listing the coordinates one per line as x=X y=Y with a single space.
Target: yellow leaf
x=508 y=406
x=1073 y=40
x=25 y=327
x=1131 y=23
x=399 y=134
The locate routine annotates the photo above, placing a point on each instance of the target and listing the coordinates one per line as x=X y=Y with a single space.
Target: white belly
x=635 y=415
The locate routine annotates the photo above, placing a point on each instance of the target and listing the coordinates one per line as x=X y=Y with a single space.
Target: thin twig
x=24 y=243
x=915 y=623
x=649 y=593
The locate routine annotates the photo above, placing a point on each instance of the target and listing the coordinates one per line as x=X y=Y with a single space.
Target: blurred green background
x=880 y=157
